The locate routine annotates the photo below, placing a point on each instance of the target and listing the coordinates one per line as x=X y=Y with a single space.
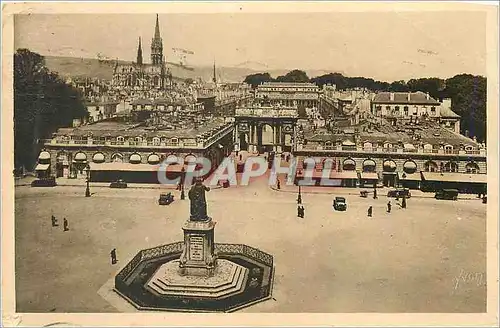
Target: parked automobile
x=166 y=199
x=339 y=204
x=449 y=194
x=399 y=193
x=44 y=182
x=485 y=199
x=118 y=184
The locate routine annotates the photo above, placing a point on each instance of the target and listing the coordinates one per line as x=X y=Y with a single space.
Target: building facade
x=412 y=106
x=289 y=94
x=116 y=147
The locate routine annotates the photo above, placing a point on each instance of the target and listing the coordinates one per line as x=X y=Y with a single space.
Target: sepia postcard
x=249 y=164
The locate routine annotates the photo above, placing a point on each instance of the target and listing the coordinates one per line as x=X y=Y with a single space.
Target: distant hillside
x=92 y=67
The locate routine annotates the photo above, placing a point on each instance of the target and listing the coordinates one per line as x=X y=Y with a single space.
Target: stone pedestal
x=198 y=258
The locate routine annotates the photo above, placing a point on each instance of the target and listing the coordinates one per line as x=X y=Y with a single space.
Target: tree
x=42 y=103
x=468 y=99
x=255 y=79
x=294 y=76
x=433 y=86
x=398 y=86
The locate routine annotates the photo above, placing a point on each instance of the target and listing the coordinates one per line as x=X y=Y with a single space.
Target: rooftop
x=126 y=129
x=405 y=98
x=424 y=133
x=288 y=84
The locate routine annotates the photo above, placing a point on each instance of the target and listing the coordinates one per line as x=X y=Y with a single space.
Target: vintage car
x=118 y=184
x=449 y=194
x=44 y=182
x=399 y=193
x=166 y=199
x=339 y=204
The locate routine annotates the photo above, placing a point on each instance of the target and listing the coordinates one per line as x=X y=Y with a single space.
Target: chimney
x=408 y=96
x=392 y=96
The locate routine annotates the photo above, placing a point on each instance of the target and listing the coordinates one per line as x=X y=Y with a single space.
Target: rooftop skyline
x=386 y=46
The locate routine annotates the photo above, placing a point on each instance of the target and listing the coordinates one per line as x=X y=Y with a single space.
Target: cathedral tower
x=157 y=46
x=139 y=53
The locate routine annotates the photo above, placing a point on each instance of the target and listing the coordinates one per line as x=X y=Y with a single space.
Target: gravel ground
x=429 y=257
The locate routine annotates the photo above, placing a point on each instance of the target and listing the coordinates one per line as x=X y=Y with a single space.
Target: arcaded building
x=115 y=149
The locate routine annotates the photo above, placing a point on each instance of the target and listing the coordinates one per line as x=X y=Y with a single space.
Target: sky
x=386 y=46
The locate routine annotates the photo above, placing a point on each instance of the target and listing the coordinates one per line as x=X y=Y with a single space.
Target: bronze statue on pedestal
x=198 y=201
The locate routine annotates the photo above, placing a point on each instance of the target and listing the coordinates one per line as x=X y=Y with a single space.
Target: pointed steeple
x=215 y=76
x=157 y=28
x=157 y=46
x=139 y=53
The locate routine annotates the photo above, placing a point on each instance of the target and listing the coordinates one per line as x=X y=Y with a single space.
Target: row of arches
x=388 y=145
x=134 y=158
x=409 y=166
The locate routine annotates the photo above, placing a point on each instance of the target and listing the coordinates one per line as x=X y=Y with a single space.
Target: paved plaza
x=429 y=257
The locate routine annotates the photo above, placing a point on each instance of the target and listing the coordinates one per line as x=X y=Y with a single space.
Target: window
x=433 y=110
x=405 y=109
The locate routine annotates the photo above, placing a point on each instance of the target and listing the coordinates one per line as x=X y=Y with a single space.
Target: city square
x=305 y=162
x=429 y=257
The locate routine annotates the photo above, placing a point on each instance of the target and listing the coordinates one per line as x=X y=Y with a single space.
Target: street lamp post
x=87 y=190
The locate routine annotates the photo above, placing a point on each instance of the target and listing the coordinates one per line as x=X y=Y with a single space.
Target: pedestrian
x=370 y=211
x=389 y=206
x=278 y=184
x=299 y=211
x=113 y=256
x=65 y=224
x=302 y=211
x=288 y=158
x=240 y=157
x=403 y=202
x=54 y=221
x=374 y=193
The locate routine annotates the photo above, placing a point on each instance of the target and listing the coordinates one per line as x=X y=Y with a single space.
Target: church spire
x=157 y=28
x=215 y=76
x=139 y=53
x=157 y=46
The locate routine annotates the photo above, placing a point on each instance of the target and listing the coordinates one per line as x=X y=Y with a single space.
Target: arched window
x=369 y=165
x=389 y=166
x=410 y=167
x=156 y=141
x=450 y=167
x=135 y=158
x=472 y=167
x=98 y=158
x=349 y=165
x=430 y=166
x=117 y=158
x=153 y=159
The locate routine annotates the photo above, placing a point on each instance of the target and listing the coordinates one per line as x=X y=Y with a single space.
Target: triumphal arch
x=265 y=128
